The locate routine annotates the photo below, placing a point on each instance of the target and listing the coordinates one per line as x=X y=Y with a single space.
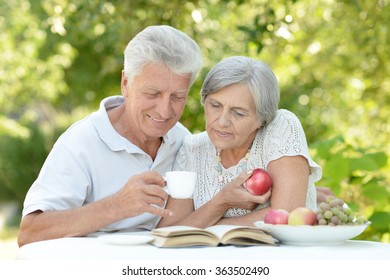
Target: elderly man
x=104 y=172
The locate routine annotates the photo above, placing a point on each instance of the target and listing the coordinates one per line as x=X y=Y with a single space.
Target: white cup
x=180 y=184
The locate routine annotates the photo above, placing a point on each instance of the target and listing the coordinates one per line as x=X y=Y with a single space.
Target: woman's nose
x=224 y=119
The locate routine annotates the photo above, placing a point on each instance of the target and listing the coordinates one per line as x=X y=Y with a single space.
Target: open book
x=182 y=236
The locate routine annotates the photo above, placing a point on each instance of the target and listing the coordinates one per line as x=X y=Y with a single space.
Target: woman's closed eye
x=239 y=113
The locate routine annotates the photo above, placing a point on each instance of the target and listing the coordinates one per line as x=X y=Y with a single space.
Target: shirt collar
x=110 y=136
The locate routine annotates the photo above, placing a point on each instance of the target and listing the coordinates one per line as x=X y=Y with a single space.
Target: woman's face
x=231 y=120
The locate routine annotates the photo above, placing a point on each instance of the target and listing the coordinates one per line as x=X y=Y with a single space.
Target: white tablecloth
x=91 y=248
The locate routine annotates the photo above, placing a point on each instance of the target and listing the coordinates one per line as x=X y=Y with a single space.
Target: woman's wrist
x=221 y=202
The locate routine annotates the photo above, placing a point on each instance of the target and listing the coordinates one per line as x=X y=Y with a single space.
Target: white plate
x=125 y=239
x=312 y=235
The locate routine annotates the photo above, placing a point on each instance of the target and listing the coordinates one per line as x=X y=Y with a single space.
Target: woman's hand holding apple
x=235 y=195
x=259 y=183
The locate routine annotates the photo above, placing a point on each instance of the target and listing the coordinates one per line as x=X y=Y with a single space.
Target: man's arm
x=138 y=196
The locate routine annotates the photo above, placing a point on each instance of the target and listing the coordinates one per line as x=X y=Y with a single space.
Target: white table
x=349 y=260
x=91 y=248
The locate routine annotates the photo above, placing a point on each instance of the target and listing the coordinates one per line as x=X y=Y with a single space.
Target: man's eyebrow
x=181 y=91
x=146 y=88
x=158 y=90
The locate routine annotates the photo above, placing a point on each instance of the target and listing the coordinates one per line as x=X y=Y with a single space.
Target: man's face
x=155 y=100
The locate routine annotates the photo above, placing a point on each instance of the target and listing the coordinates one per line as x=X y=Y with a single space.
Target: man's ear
x=124 y=83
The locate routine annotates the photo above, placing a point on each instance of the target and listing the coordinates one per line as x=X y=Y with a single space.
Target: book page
x=221 y=230
x=179 y=236
x=241 y=235
x=181 y=230
x=184 y=241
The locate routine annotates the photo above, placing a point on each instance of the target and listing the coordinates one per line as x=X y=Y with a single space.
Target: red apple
x=259 y=183
x=302 y=216
x=276 y=217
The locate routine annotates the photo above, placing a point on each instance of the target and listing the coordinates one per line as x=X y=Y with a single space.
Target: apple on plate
x=259 y=183
x=302 y=216
x=276 y=217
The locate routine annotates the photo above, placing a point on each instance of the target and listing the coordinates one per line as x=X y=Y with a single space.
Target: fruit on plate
x=259 y=183
x=276 y=217
x=302 y=216
x=333 y=211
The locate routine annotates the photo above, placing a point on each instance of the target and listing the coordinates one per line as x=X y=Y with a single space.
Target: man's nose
x=164 y=107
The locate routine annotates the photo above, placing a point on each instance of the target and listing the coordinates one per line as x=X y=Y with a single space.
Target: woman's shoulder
x=284 y=114
x=194 y=148
x=283 y=128
x=197 y=139
x=285 y=118
x=197 y=142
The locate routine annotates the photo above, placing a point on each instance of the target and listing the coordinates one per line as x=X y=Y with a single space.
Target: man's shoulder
x=78 y=130
x=96 y=127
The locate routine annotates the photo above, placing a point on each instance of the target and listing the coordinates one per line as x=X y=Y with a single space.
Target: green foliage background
x=59 y=58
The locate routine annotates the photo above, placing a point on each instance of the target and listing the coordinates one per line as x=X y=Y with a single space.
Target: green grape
x=340 y=202
x=322 y=222
x=324 y=206
x=329 y=198
x=335 y=220
x=328 y=214
x=348 y=211
x=343 y=218
x=333 y=203
x=335 y=210
x=360 y=220
x=332 y=212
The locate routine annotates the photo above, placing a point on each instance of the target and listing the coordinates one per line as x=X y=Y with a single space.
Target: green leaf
x=338 y=168
x=379 y=157
x=369 y=162
x=375 y=191
x=380 y=221
x=324 y=147
x=364 y=163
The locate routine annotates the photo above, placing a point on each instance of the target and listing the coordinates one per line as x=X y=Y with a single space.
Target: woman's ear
x=261 y=124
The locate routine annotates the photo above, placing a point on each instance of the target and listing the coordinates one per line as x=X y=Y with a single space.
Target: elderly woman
x=244 y=130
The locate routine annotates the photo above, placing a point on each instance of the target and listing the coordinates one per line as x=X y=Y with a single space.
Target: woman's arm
x=290 y=177
x=232 y=195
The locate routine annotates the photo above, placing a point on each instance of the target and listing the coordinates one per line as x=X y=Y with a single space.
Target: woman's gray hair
x=163 y=44
x=261 y=81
